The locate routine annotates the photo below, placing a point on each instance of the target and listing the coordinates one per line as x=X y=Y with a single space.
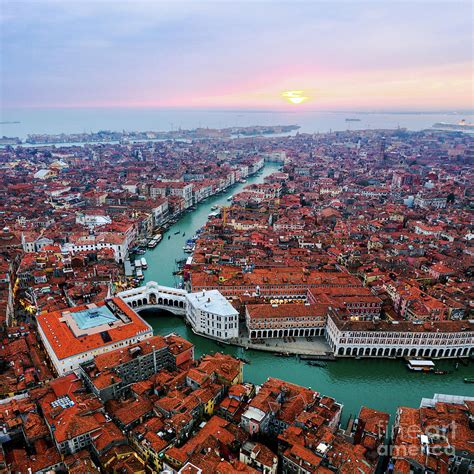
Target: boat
x=152 y=244
x=144 y=262
x=283 y=354
x=184 y=233
x=315 y=363
x=139 y=274
x=440 y=372
x=461 y=126
x=245 y=361
x=420 y=365
x=220 y=344
x=169 y=237
x=177 y=232
x=352 y=120
x=469 y=380
x=138 y=263
x=214 y=208
x=230 y=198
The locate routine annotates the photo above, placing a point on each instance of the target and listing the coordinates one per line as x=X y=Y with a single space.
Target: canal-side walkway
x=318 y=347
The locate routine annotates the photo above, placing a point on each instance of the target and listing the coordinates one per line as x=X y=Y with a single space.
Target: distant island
x=124 y=136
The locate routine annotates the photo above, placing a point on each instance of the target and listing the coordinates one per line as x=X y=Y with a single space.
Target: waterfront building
x=76 y=335
x=278 y=321
x=400 y=338
x=110 y=375
x=173 y=188
x=210 y=314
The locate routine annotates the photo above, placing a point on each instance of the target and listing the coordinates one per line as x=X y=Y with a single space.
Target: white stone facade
x=210 y=314
x=445 y=340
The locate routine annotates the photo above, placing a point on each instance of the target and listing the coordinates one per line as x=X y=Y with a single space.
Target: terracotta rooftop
x=66 y=344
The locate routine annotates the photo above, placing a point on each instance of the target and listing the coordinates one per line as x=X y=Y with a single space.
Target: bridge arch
x=153 y=295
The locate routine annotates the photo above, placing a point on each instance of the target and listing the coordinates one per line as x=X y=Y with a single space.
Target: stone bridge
x=154 y=296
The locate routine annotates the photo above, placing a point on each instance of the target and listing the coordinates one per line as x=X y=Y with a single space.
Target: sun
x=295 y=97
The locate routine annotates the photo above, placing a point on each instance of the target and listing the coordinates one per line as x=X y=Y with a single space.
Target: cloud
x=184 y=53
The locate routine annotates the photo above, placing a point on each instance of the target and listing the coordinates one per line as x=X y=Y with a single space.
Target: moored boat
x=420 y=365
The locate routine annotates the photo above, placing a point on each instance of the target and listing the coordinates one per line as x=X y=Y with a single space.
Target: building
x=359 y=302
x=436 y=437
x=279 y=404
x=210 y=314
x=216 y=368
x=289 y=282
x=110 y=375
x=400 y=338
x=259 y=456
x=277 y=321
x=76 y=419
x=427 y=202
x=76 y=335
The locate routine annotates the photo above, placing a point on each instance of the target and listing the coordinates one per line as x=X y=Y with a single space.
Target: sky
x=309 y=54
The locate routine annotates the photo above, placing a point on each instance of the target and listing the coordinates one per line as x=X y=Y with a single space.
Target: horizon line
x=226 y=109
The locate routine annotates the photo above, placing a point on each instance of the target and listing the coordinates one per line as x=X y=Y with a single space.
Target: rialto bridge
x=154 y=296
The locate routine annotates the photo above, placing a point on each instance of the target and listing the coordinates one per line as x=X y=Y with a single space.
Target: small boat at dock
x=469 y=380
x=154 y=241
x=144 y=263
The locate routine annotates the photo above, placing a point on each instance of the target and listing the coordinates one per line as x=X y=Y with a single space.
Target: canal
x=380 y=384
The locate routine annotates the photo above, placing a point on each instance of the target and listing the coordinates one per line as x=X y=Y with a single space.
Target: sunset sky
x=337 y=55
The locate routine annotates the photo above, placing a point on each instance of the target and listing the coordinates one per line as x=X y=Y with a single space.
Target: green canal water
x=380 y=384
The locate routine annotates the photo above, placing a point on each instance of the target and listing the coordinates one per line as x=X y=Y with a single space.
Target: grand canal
x=380 y=384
